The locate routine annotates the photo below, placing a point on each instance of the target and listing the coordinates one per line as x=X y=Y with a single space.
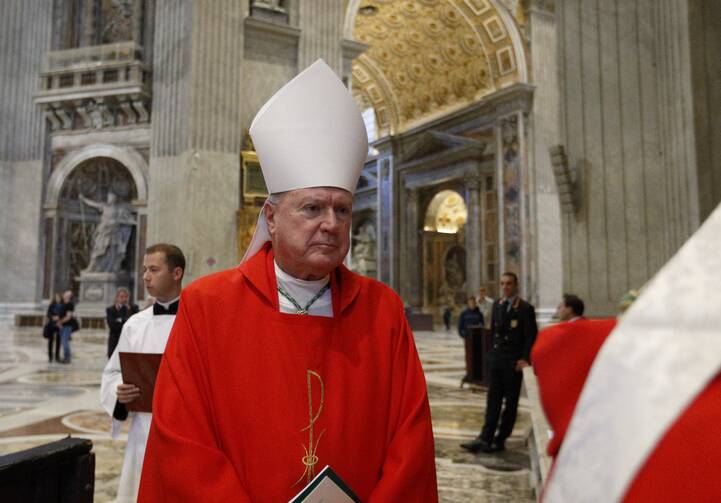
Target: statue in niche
x=117 y=26
x=112 y=234
x=364 y=250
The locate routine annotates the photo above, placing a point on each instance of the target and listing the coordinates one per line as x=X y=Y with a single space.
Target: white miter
x=308 y=134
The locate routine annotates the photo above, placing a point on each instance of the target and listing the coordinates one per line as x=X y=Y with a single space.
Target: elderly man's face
x=310 y=230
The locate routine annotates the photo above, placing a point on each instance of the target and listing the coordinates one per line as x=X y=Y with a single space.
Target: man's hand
x=128 y=393
x=521 y=364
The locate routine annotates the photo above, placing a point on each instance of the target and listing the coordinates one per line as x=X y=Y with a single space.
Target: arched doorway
x=99 y=180
x=444 y=253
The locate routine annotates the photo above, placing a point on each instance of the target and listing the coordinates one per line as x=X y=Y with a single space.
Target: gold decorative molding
x=253 y=193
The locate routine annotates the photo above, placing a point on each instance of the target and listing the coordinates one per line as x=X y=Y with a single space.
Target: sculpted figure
x=111 y=236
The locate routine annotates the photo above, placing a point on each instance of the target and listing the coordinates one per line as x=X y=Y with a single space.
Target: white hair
x=276 y=197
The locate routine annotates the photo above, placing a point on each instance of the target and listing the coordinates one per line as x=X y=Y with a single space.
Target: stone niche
x=94 y=235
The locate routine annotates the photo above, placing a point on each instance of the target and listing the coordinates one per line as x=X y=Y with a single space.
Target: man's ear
x=270 y=212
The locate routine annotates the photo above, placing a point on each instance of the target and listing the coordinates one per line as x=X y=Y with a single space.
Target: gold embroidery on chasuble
x=310 y=459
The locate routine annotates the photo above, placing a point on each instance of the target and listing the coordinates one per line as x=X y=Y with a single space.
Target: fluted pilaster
x=472 y=183
x=25 y=35
x=216 y=55
x=171 y=68
x=321 y=24
x=25 y=32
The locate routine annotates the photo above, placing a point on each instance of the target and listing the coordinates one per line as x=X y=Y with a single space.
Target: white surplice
x=142 y=333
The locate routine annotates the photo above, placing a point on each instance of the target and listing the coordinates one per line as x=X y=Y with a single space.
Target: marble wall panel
x=20 y=230
x=193 y=202
x=512 y=186
x=269 y=62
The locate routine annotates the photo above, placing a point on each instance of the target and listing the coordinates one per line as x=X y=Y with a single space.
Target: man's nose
x=330 y=221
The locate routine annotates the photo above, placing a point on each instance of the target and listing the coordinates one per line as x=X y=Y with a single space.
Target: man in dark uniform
x=116 y=316
x=513 y=325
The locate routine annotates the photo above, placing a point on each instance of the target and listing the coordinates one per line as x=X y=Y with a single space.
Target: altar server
x=144 y=332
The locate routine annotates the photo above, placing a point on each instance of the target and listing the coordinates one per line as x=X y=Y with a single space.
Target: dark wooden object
x=58 y=472
x=420 y=321
x=477 y=347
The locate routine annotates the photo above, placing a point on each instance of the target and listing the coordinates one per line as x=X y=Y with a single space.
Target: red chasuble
x=562 y=356
x=250 y=403
x=685 y=464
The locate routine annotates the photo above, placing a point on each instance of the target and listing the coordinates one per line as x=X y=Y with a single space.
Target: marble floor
x=42 y=402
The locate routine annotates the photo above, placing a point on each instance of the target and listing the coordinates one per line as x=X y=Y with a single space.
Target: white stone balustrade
x=95 y=87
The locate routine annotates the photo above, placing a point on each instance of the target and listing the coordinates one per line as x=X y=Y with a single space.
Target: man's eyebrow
x=311 y=199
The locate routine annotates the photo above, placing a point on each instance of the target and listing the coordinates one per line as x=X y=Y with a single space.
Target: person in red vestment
x=683 y=463
x=562 y=356
x=291 y=362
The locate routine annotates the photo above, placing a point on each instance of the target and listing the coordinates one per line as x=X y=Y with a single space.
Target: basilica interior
x=574 y=143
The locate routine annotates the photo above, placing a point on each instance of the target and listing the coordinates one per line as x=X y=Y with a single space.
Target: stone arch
x=350 y=14
x=128 y=157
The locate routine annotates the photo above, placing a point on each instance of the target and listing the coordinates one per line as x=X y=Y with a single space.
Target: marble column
x=321 y=24
x=472 y=183
x=196 y=131
x=25 y=35
x=413 y=249
x=544 y=209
